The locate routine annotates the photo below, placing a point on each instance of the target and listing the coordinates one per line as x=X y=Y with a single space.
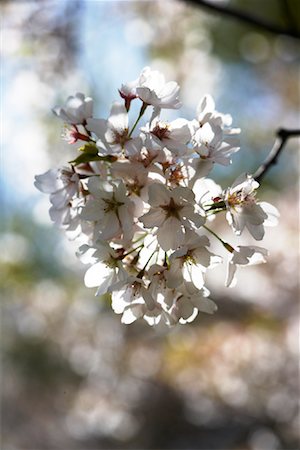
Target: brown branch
x=291 y=19
x=244 y=17
x=282 y=136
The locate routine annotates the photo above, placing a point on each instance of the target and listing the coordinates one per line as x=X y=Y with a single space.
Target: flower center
x=239 y=198
x=172 y=209
x=112 y=263
x=176 y=175
x=121 y=138
x=112 y=205
x=161 y=131
x=189 y=258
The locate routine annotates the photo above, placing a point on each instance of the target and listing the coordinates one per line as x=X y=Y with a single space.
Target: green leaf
x=85 y=158
x=89 y=148
x=90 y=153
x=88 y=157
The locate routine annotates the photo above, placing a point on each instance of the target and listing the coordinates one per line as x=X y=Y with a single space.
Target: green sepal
x=85 y=158
x=90 y=148
x=217 y=205
x=90 y=153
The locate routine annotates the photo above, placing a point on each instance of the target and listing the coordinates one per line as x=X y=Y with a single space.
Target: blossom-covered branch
x=247 y=18
x=282 y=137
x=137 y=200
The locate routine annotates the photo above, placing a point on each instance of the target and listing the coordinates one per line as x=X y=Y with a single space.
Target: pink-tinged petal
x=105 y=284
x=192 y=216
x=49 y=181
x=60 y=199
x=120 y=192
x=133 y=146
x=193 y=240
x=153 y=318
x=205 y=305
x=110 y=226
x=202 y=167
x=99 y=189
x=236 y=220
x=96 y=274
x=174 y=274
x=169 y=90
x=242 y=254
x=181 y=130
x=118 y=302
x=60 y=216
x=88 y=107
x=118 y=119
x=260 y=255
x=126 y=220
x=148 y=298
x=133 y=312
x=230 y=278
x=170 y=234
x=154 y=218
x=97 y=126
x=176 y=148
x=257 y=231
x=204 y=135
x=271 y=212
x=193 y=273
x=205 y=106
x=254 y=214
x=202 y=256
x=93 y=210
x=186 y=310
x=183 y=193
x=159 y=195
x=86 y=254
x=146 y=95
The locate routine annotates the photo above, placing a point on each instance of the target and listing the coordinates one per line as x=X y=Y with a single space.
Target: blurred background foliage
x=73 y=376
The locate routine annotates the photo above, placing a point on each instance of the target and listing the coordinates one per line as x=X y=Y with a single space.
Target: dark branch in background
x=244 y=17
x=282 y=136
x=288 y=14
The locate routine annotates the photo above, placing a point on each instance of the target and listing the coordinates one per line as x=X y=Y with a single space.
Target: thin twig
x=282 y=136
x=244 y=17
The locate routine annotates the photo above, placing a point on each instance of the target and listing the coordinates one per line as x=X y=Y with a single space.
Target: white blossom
x=243 y=210
x=206 y=113
x=132 y=299
x=137 y=197
x=63 y=185
x=188 y=302
x=173 y=212
x=153 y=90
x=106 y=268
x=174 y=135
x=76 y=111
x=244 y=256
x=113 y=133
x=128 y=92
x=212 y=146
x=190 y=262
x=110 y=209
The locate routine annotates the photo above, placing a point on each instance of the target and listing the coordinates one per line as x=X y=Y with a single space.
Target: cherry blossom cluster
x=138 y=200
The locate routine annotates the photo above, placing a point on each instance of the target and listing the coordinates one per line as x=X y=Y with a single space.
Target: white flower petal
x=95 y=274
x=170 y=234
x=272 y=213
x=118 y=119
x=159 y=195
x=132 y=313
x=230 y=278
